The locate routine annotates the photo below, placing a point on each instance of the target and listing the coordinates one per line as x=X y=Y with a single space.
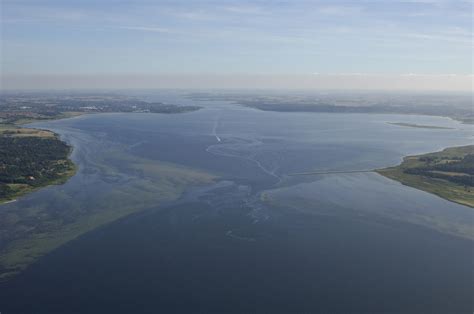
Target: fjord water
x=257 y=239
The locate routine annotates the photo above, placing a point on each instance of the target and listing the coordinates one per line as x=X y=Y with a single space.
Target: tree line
x=31 y=160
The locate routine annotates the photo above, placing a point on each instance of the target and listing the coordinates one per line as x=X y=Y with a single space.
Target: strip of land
x=448 y=173
x=455 y=106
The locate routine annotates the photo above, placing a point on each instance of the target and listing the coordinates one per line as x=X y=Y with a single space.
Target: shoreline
x=468 y=121
x=22 y=125
x=62 y=178
x=28 y=254
x=405 y=173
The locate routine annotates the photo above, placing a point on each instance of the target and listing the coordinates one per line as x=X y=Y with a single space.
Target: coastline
x=22 y=125
x=457 y=118
x=24 y=131
x=62 y=177
x=22 y=253
x=453 y=192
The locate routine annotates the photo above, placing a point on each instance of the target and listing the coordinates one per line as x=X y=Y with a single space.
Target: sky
x=308 y=44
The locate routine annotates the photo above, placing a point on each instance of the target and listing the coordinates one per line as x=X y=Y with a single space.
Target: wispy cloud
x=245 y=9
x=439 y=37
x=30 y=13
x=345 y=37
x=340 y=10
x=219 y=12
x=149 y=29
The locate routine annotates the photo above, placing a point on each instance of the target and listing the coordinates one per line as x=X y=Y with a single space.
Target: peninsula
x=31 y=159
x=448 y=173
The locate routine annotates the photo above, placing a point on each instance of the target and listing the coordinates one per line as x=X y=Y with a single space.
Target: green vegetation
x=19 y=118
x=11 y=130
x=30 y=159
x=420 y=126
x=448 y=174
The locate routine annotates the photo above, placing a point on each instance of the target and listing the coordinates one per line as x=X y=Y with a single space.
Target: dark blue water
x=257 y=240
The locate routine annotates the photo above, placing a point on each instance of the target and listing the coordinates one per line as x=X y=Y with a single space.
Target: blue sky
x=259 y=37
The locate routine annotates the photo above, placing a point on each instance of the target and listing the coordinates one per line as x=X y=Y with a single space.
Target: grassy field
x=17 y=131
x=62 y=115
x=443 y=187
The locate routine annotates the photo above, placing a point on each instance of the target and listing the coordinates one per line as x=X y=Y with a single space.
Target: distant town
x=19 y=108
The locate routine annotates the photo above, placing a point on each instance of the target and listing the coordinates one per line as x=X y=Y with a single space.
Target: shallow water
x=256 y=239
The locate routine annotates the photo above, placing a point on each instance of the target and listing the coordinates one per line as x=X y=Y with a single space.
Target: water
x=256 y=239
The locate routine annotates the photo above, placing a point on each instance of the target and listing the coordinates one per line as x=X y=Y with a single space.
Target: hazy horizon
x=338 y=82
x=413 y=45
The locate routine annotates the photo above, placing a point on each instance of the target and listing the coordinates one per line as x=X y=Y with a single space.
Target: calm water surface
x=258 y=239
